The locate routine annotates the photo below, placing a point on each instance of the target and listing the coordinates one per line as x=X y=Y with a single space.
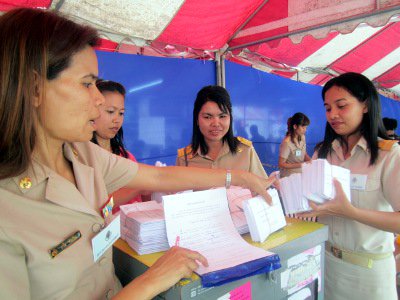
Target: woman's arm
x=285 y=165
x=173 y=179
x=122 y=196
x=175 y=264
x=256 y=166
x=284 y=152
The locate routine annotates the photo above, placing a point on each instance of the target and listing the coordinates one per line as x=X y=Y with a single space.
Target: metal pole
x=220 y=68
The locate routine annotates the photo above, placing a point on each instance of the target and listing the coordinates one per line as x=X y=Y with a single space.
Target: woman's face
x=111 y=115
x=213 y=123
x=71 y=102
x=343 y=111
x=300 y=130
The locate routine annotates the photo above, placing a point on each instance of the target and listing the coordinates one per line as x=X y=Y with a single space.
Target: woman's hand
x=338 y=206
x=174 y=265
x=259 y=185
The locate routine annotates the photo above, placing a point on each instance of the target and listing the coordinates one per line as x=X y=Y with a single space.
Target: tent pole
x=220 y=68
x=222 y=59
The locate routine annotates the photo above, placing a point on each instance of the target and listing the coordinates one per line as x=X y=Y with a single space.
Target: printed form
x=201 y=221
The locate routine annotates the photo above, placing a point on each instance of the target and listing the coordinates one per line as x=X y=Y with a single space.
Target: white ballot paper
x=263 y=218
x=201 y=221
x=314 y=183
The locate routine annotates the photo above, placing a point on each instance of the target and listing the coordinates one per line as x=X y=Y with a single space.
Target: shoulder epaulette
x=386 y=145
x=187 y=149
x=244 y=141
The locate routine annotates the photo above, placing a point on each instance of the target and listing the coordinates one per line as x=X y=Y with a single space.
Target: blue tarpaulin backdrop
x=161 y=93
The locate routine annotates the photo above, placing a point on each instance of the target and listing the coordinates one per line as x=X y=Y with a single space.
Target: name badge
x=297 y=152
x=358 y=182
x=106 y=237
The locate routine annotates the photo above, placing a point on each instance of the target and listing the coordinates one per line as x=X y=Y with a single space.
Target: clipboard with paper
x=203 y=223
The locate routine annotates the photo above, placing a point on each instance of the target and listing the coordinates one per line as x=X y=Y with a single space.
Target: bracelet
x=228 y=179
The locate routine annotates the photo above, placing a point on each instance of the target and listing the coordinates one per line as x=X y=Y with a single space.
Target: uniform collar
x=224 y=150
x=360 y=145
x=59 y=190
x=31 y=177
x=37 y=172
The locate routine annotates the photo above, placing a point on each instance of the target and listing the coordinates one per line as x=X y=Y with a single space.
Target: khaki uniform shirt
x=40 y=209
x=381 y=193
x=288 y=151
x=245 y=159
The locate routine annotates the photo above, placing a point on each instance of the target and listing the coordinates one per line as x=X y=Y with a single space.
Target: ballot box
x=300 y=246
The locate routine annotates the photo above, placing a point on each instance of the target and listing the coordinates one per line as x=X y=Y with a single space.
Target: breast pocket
x=367 y=198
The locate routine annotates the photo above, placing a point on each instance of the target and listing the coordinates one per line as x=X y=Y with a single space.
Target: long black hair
x=221 y=97
x=35 y=45
x=117 y=142
x=298 y=119
x=371 y=127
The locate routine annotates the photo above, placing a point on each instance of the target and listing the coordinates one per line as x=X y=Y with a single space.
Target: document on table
x=201 y=221
x=143 y=227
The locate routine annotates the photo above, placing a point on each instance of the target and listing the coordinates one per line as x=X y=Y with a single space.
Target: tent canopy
x=308 y=41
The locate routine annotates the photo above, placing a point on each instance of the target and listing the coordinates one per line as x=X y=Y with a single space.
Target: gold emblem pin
x=25 y=183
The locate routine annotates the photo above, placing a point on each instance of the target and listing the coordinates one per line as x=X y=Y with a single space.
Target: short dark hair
x=110 y=86
x=117 y=142
x=298 y=119
x=220 y=96
x=371 y=128
x=34 y=45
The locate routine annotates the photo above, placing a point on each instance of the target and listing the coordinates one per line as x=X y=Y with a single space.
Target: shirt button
x=97 y=227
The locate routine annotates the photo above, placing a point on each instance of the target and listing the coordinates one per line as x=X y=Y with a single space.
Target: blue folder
x=254 y=267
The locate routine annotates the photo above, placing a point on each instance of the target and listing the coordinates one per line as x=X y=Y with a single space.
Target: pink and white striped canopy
x=305 y=40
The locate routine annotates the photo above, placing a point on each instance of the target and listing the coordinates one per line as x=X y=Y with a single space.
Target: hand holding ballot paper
x=203 y=223
x=340 y=205
x=263 y=219
x=319 y=182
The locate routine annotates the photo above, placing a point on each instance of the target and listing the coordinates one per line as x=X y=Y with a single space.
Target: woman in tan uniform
x=293 y=151
x=213 y=144
x=53 y=181
x=359 y=255
x=109 y=133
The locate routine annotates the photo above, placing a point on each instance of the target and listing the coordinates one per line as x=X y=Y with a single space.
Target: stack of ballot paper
x=143 y=223
x=292 y=194
x=143 y=227
x=236 y=195
x=314 y=183
x=263 y=219
x=201 y=221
